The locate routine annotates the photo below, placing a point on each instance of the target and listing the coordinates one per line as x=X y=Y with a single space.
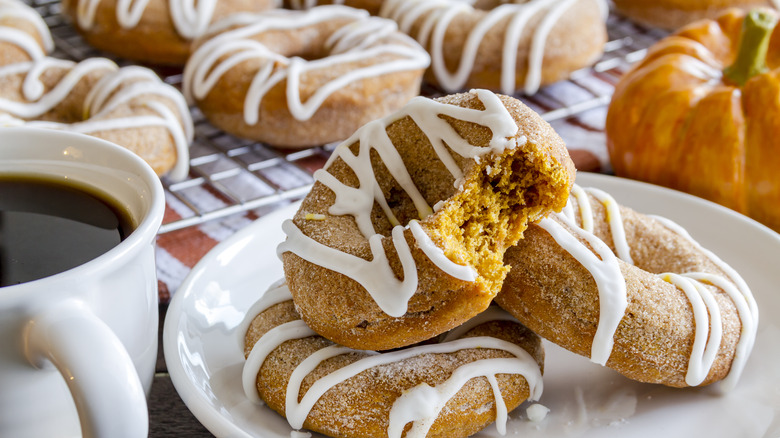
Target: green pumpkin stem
x=753 y=46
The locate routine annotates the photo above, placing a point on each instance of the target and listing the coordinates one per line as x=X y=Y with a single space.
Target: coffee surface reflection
x=48 y=227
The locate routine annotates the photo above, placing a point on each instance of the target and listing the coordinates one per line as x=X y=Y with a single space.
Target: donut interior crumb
x=494 y=208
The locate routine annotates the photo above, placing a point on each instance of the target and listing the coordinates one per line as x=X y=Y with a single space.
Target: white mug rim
x=144 y=233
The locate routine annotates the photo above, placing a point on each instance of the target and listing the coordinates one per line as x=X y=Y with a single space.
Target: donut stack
x=412 y=230
x=400 y=241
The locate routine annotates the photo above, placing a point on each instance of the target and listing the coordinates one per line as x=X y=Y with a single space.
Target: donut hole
x=307 y=42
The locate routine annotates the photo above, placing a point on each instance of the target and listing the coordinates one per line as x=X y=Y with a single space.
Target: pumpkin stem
x=753 y=46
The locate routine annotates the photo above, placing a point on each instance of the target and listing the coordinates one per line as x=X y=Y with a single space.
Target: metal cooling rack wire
x=229 y=175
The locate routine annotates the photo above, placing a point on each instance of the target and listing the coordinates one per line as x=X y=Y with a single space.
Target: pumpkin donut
x=152 y=31
x=402 y=235
x=128 y=106
x=673 y=14
x=302 y=78
x=634 y=292
x=452 y=388
x=506 y=46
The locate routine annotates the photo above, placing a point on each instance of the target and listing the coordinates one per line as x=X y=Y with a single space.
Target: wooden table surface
x=168 y=415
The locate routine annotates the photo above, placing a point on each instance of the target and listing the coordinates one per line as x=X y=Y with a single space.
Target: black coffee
x=47 y=227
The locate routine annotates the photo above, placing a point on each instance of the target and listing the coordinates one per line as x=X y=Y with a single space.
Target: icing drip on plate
x=419 y=405
x=359 y=40
x=606 y=272
x=376 y=276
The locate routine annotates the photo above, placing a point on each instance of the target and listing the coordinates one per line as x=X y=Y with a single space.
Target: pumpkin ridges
x=761 y=100
x=705 y=150
x=654 y=145
x=680 y=45
x=720 y=37
x=716 y=125
x=660 y=76
x=773 y=56
x=731 y=26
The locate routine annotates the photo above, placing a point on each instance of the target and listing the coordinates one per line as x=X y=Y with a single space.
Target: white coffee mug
x=78 y=348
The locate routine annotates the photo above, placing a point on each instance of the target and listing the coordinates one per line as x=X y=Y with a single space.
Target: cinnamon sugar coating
x=154 y=38
x=360 y=406
x=298 y=59
x=554 y=295
x=545 y=39
x=473 y=224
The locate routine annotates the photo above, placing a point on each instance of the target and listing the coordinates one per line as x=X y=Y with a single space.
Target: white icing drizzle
x=376 y=276
x=605 y=271
x=16 y=10
x=276 y=293
x=707 y=315
x=37 y=102
x=273 y=338
x=586 y=212
x=437 y=16
x=419 y=405
x=739 y=292
x=116 y=87
x=425 y=402
x=357 y=41
x=709 y=328
x=615 y=221
x=613 y=217
x=436 y=254
x=141 y=82
x=190 y=17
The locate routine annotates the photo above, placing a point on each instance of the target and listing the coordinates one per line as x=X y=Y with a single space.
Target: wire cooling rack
x=239 y=175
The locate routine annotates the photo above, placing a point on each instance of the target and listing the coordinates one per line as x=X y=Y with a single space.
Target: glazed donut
x=514 y=46
x=402 y=235
x=128 y=106
x=634 y=292
x=152 y=31
x=452 y=388
x=673 y=14
x=303 y=78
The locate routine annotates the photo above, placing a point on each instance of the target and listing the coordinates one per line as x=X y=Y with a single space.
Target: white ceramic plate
x=204 y=351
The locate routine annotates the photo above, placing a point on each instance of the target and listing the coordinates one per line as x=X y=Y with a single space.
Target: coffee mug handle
x=109 y=397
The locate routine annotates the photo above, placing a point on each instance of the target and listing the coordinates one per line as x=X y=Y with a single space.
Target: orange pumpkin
x=701 y=114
